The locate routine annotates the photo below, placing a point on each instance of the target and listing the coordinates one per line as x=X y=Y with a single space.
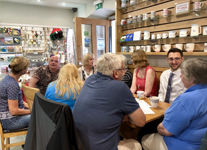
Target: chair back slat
x=8 y=134
x=29 y=93
x=2 y=136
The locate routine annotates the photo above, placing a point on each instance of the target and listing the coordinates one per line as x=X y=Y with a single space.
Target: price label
x=35 y=52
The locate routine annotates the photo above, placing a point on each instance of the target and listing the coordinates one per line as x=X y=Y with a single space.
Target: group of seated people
x=101 y=98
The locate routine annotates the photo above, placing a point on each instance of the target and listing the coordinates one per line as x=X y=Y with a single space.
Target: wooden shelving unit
x=172 y=22
x=165 y=53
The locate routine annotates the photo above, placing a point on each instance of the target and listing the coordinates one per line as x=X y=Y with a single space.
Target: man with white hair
x=103 y=103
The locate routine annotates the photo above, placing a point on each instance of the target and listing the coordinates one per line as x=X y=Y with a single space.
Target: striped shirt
x=127 y=78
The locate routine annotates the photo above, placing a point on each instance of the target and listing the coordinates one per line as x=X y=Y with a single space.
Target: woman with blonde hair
x=144 y=77
x=13 y=114
x=87 y=69
x=66 y=88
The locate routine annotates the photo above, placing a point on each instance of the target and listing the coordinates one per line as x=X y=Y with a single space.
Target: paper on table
x=145 y=107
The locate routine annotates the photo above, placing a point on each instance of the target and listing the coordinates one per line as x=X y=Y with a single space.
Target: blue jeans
x=15 y=123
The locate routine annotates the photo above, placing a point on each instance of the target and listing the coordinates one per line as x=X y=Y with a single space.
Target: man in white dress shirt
x=174 y=58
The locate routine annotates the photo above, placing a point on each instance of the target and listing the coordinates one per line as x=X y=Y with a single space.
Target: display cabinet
x=32 y=42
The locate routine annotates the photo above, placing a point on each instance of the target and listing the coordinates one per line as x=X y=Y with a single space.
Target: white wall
x=0 y=12
x=89 y=8
x=16 y=13
x=81 y=12
x=109 y=4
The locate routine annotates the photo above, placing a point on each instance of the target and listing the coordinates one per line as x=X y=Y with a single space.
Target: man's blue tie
x=167 y=97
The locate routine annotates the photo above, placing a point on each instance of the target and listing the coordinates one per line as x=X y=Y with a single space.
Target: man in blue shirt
x=102 y=104
x=184 y=123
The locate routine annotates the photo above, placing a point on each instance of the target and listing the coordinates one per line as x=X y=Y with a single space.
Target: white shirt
x=85 y=72
x=177 y=86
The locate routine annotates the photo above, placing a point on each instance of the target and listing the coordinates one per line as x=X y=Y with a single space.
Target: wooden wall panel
x=158 y=71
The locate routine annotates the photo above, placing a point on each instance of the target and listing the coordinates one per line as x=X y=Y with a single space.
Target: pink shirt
x=140 y=83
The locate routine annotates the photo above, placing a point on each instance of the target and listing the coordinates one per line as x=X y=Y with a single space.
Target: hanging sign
x=98 y=6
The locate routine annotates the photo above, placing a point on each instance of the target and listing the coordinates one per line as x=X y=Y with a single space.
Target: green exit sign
x=98 y=6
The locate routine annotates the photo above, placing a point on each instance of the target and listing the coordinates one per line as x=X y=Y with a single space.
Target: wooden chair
x=29 y=93
x=5 y=134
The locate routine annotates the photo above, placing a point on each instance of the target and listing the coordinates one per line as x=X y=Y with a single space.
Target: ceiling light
x=38 y=0
x=63 y=3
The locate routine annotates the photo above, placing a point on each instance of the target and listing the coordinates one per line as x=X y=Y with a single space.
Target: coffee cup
x=148 y=48
x=189 y=47
x=172 y=34
x=129 y=20
x=164 y=35
x=184 y=33
x=138 y=47
x=156 y=48
x=140 y=94
x=166 y=47
x=154 y=100
x=153 y=13
x=124 y=49
x=143 y=48
x=131 y=49
x=179 y=46
x=204 y=30
x=146 y=35
x=159 y=36
x=164 y=12
x=139 y=18
x=205 y=47
x=195 y=30
x=153 y=36
x=123 y=21
x=134 y=20
x=145 y=16
x=198 y=5
x=123 y=4
x=132 y=2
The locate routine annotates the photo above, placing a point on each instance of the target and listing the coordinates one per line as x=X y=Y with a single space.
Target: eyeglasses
x=176 y=59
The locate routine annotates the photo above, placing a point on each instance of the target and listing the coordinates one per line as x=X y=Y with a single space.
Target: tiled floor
x=16 y=139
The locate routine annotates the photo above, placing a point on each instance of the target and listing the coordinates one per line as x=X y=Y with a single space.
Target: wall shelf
x=165 y=53
x=8 y=53
x=159 y=25
x=159 y=19
x=143 y=3
x=201 y=38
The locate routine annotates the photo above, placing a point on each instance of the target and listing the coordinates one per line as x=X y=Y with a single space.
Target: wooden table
x=129 y=131
x=159 y=111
